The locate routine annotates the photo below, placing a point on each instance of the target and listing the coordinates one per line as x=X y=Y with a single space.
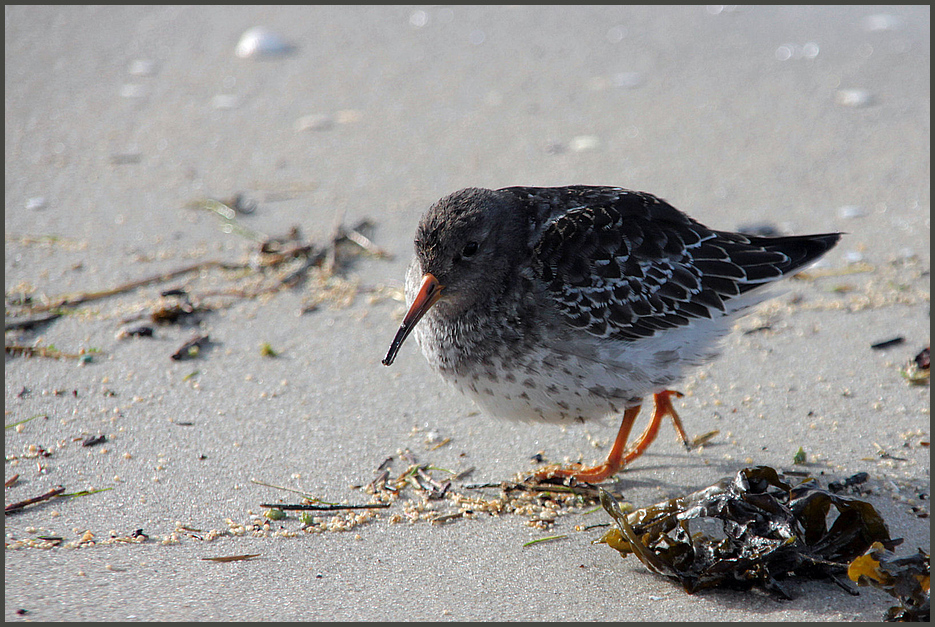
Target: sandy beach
x=126 y=125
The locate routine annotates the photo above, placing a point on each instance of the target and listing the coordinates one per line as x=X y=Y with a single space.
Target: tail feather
x=800 y=249
x=794 y=252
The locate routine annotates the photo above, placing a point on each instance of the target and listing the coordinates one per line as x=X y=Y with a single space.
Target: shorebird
x=566 y=304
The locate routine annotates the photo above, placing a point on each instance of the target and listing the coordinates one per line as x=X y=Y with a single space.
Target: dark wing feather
x=626 y=264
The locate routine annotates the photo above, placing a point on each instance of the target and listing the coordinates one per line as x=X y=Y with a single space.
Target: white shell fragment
x=258 y=42
x=881 y=22
x=582 y=143
x=854 y=257
x=419 y=18
x=853 y=98
x=142 y=67
x=347 y=116
x=314 y=122
x=225 y=101
x=325 y=121
x=36 y=203
x=852 y=211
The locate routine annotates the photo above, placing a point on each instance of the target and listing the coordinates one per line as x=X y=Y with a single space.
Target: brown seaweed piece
x=905 y=578
x=768 y=530
x=918 y=370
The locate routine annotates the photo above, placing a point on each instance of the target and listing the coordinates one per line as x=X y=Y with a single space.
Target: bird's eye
x=469 y=250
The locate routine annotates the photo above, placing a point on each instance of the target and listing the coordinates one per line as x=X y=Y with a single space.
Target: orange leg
x=614 y=463
x=662 y=407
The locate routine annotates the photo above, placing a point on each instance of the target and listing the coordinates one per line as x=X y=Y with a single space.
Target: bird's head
x=467 y=246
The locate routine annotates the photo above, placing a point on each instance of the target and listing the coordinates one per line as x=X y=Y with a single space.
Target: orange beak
x=429 y=293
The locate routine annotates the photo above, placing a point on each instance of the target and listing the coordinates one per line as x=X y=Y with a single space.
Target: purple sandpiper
x=565 y=304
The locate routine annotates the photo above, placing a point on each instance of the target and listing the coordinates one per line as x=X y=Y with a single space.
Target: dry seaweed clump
x=749 y=530
x=905 y=578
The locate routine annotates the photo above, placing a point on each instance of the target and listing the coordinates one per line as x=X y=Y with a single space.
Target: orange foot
x=619 y=456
